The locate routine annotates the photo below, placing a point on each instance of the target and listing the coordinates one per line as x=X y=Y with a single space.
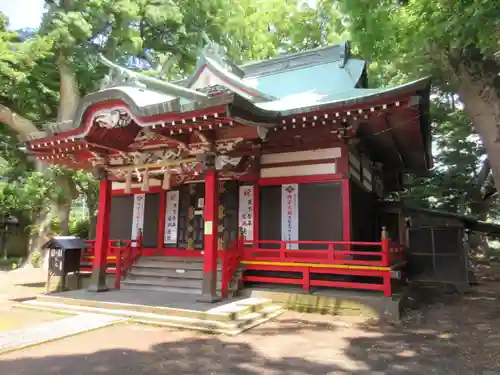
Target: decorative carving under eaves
x=97 y=160
x=146 y=135
x=214 y=90
x=148 y=157
x=112 y=118
x=224 y=161
x=227 y=145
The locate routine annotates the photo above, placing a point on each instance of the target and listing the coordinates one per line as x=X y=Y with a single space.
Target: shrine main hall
x=271 y=172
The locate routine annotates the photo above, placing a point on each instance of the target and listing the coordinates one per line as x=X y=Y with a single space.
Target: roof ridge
x=310 y=57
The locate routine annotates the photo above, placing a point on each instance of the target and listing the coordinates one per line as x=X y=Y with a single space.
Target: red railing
x=88 y=255
x=371 y=260
x=126 y=257
x=343 y=257
x=326 y=252
x=120 y=253
x=231 y=259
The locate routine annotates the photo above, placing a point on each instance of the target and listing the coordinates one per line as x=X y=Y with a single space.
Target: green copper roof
x=325 y=79
x=306 y=101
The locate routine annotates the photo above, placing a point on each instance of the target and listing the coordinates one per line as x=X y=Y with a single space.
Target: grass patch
x=10 y=263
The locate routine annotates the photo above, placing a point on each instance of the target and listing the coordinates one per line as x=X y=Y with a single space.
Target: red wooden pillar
x=210 y=215
x=98 y=280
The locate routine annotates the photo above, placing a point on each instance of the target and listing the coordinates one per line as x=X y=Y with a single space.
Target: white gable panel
x=207 y=78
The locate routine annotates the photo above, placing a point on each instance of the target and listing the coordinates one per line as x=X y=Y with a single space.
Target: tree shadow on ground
x=189 y=356
x=395 y=352
x=40 y=284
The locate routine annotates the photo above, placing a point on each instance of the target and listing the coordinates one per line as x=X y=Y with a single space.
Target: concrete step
x=175 y=259
x=172 y=274
x=171 y=304
x=171 y=264
x=182 y=279
x=158 y=288
x=131 y=285
x=235 y=327
x=171 y=282
x=203 y=322
x=166 y=272
x=163 y=281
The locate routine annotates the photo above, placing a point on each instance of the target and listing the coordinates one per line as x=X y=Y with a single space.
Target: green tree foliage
x=456 y=44
x=460 y=180
x=44 y=72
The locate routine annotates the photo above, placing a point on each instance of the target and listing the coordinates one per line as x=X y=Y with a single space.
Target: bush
x=80 y=228
x=36 y=257
x=10 y=263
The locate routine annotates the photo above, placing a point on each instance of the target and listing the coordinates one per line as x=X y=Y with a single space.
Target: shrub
x=80 y=228
x=36 y=257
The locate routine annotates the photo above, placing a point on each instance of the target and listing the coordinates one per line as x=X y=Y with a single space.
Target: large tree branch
x=19 y=124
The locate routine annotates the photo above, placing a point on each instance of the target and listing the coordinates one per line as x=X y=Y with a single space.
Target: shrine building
x=270 y=172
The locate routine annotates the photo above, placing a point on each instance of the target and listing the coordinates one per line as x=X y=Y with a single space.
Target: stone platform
x=333 y=301
x=162 y=308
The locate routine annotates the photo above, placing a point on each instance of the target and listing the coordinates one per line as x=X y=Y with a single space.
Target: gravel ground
x=454 y=336
x=292 y=344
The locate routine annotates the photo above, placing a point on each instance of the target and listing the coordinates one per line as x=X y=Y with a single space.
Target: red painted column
x=98 y=280
x=210 y=215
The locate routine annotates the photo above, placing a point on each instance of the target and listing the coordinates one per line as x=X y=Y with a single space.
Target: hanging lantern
x=166 y=179
x=145 y=181
x=128 y=182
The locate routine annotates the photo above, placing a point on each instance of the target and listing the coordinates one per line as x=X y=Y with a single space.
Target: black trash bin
x=64 y=257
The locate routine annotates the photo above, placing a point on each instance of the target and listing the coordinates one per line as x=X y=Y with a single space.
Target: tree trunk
x=64 y=212
x=92 y=207
x=68 y=89
x=479 y=89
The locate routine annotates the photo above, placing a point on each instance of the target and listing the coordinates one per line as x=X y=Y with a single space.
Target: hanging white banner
x=138 y=216
x=245 y=215
x=171 y=218
x=290 y=214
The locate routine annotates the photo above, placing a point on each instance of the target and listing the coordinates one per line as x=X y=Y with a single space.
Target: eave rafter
x=343 y=118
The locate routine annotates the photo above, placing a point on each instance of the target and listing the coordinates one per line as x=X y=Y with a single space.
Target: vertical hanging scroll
x=138 y=216
x=245 y=216
x=290 y=214
x=171 y=218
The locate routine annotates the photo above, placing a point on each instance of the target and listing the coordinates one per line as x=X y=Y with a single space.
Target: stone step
x=163 y=281
x=203 y=322
x=167 y=272
x=178 y=280
x=158 y=288
x=170 y=304
x=171 y=264
x=232 y=289
x=237 y=326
